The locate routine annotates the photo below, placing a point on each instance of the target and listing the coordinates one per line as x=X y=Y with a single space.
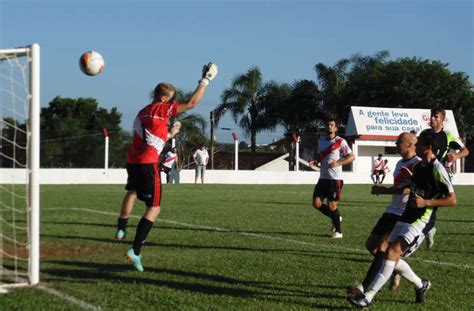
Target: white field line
x=84 y=305
x=265 y=236
x=73 y=300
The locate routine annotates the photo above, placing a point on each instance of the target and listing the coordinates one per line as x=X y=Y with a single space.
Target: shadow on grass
x=343 y=255
x=223 y=285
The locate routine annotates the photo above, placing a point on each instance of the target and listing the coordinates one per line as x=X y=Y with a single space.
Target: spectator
x=201 y=157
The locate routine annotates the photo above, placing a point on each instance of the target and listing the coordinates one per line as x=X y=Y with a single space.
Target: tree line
x=71 y=129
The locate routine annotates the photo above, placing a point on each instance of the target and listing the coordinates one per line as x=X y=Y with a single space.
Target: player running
x=443 y=142
x=377 y=242
x=333 y=152
x=430 y=188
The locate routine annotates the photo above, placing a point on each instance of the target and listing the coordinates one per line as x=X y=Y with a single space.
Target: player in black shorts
x=443 y=142
x=377 y=242
x=430 y=188
x=333 y=152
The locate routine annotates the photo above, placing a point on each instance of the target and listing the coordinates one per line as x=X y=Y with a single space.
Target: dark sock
x=336 y=220
x=374 y=269
x=122 y=223
x=143 y=228
x=325 y=210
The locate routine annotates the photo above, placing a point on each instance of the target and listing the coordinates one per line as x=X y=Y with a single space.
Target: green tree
x=192 y=133
x=245 y=100
x=72 y=134
x=13 y=143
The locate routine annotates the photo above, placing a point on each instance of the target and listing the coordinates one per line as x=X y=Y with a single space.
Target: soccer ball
x=91 y=63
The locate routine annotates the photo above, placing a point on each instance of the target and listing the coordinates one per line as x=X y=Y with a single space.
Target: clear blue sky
x=145 y=42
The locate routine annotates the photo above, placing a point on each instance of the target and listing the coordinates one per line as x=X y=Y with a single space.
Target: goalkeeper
x=150 y=133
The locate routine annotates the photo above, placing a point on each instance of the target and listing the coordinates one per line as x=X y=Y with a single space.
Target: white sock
x=407 y=272
x=380 y=279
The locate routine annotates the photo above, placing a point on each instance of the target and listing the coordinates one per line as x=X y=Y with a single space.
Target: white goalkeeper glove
x=209 y=72
x=174 y=129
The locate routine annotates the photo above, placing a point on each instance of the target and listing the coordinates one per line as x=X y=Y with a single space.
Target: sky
x=147 y=42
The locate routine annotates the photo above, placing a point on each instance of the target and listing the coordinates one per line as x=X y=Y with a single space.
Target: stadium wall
x=119 y=176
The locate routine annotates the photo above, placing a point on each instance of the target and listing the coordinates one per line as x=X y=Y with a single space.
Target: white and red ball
x=91 y=63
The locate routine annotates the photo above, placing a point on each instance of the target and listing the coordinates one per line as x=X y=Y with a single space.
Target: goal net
x=19 y=166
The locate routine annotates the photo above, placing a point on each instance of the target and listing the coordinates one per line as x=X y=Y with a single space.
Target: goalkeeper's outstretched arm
x=209 y=72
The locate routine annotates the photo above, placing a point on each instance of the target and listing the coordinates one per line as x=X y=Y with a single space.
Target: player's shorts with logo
x=412 y=234
x=145 y=180
x=386 y=223
x=328 y=188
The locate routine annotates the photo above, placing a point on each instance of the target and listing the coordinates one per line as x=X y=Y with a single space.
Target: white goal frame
x=32 y=53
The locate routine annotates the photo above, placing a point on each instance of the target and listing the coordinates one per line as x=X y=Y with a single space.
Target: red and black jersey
x=150 y=132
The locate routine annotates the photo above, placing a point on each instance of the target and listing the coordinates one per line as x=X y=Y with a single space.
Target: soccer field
x=233 y=247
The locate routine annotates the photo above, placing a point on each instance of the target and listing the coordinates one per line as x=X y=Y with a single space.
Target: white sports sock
x=380 y=279
x=407 y=272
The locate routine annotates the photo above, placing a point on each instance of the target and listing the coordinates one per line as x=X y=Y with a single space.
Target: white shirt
x=401 y=178
x=329 y=151
x=201 y=156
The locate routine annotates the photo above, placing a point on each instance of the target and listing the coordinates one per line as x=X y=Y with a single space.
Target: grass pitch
x=233 y=247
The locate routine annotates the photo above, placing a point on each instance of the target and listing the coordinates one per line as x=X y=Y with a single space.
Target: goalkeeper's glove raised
x=174 y=129
x=209 y=72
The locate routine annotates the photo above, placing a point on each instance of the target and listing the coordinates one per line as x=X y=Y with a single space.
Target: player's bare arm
x=447 y=201
x=345 y=160
x=463 y=152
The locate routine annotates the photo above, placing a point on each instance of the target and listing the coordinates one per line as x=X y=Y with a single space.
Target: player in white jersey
x=333 y=153
x=430 y=188
x=378 y=170
x=169 y=162
x=377 y=242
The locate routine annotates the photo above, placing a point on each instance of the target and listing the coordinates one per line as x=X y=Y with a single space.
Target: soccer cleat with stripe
x=355 y=291
x=134 y=260
x=359 y=301
x=421 y=292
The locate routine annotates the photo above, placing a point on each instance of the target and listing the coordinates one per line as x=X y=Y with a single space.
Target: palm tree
x=332 y=81
x=248 y=101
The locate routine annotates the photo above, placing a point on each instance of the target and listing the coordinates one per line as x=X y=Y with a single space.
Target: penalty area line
x=265 y=236
x=84 y=305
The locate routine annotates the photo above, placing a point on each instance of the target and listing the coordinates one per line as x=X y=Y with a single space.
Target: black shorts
x=145 y=180
x=378 y=172
x=386 y=223
x=328 y=188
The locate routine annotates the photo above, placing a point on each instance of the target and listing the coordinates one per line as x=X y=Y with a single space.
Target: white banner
x=376 y=121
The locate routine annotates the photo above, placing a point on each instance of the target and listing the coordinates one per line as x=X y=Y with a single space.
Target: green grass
x=234 y=247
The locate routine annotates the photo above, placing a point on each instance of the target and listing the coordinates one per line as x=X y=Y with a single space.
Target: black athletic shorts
x=145 y=180
x=386 y=223
x=328 y=188
x=378 y=172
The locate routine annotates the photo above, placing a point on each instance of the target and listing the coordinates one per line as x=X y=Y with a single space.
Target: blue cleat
x=120 y=235
x=134 y=260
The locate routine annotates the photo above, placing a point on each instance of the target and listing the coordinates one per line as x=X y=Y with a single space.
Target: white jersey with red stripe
x=329 y=151
x=378 y=164
x=150 y=132
x=170 y=159
x=401 y=179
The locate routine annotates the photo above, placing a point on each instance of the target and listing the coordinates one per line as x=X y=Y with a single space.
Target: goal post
x=20 y=162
